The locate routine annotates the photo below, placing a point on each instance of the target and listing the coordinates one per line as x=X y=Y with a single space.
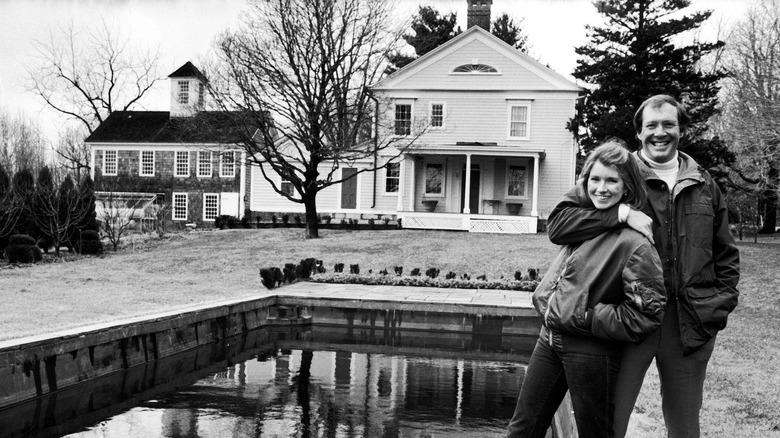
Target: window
x=437 y=115
x=210 y=206
x=184 y=92
x=204 y=164
x=474 y=69
x=403 y=119
x=287 y=188
x=434 y=179
x=109 y=163
x=180 y=206
x=517 y=181
x=182 y=165
x=518 y=121
x=147 y=163
x=227 y=166
x=392 y=177
x=201 y=93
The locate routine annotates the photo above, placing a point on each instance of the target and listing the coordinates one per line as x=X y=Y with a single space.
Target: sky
x=185 y=30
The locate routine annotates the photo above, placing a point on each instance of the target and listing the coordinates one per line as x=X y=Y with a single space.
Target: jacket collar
x=689 y=168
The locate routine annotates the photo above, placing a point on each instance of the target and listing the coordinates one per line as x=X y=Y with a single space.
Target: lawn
x=742 y=395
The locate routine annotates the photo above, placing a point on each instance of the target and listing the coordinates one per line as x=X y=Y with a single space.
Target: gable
x=516 y=70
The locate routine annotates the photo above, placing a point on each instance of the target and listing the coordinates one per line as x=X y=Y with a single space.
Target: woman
x=594 y=298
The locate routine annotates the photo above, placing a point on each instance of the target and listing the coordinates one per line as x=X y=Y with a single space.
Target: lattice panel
x=433 y=222
x=522 y=226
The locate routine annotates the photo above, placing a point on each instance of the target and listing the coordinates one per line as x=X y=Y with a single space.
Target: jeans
x=559 y=362
x=682 y=378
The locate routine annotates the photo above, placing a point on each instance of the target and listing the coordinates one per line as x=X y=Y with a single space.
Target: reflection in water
x=331 y=393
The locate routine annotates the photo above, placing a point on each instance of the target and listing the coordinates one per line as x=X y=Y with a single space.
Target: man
x=687 y=220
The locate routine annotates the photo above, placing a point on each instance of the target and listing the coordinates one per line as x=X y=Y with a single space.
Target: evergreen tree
x=631 y=58
x=509 y=32
x=430 y=30
x=23 y=189
x=8 y=212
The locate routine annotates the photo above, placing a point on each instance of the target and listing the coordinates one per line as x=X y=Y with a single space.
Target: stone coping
x=376 y=297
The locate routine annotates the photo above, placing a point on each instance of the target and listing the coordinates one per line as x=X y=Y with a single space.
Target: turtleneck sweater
x=666 y=171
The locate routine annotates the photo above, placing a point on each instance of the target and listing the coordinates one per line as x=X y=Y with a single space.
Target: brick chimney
x=479 y=14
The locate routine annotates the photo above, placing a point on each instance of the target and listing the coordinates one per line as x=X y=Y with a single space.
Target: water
x=316 y=381
x=331 y=393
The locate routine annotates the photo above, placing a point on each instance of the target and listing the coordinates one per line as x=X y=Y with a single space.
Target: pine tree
x=429 y=30
x=23 y=189
x=631 y=58
x=510 y=32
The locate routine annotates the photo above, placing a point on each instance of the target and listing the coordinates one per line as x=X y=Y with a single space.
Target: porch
x=470 y=187
x=473 y=223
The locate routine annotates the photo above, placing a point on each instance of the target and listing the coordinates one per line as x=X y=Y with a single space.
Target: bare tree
x=22 y=145
x=751 y=102
x=295 y=77
x=56 y=209
x=87 y=76
x=115 y=216
x=72 y=152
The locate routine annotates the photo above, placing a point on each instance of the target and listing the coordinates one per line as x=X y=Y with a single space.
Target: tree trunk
x=312 y=221
x=770 y=202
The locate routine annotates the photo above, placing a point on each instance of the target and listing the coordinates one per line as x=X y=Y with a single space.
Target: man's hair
x=613 y=152
x=683 y=118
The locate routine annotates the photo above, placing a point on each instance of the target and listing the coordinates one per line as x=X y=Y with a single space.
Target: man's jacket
x=691 y=232
x=609 y=287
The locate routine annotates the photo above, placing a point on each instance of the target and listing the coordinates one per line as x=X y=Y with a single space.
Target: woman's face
x=605 y=186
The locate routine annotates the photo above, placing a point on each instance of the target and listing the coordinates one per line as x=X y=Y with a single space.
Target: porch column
x=467 y=176
x=242 y=195
x=401 y=183
x=412 y=175
x=535 y=202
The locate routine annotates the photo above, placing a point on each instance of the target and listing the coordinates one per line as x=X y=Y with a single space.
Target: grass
x=742 y=390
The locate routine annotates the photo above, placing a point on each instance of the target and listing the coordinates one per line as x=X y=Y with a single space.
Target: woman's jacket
x=610 y=287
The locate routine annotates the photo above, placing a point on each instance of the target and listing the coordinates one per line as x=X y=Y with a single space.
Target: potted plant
x=430 y=204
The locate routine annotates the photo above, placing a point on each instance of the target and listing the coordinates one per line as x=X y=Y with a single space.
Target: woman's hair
x=613 y=152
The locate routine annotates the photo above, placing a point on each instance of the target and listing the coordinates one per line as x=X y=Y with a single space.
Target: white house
x=495 y=155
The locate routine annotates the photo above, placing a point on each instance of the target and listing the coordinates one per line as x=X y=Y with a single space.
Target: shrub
x=432 y=272
x=285 y=219
x=371 y=223
x=23 y=253
x=298 y=220
x=88 y=243
x=21 y=239
x=528 y=286
x=415 y=272
x=271 y=277
x=338 y=267
x=399 y=270
x=226 y=221
x=354 y=269
x=289 y=272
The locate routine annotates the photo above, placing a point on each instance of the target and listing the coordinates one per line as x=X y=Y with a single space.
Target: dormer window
x=184 y=92
x=475 y=69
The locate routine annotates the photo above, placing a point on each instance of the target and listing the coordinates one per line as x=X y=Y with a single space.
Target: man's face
x=660 y=132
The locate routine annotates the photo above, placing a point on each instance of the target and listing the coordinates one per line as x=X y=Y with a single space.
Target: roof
x=188 y=70
x=557 y=80
x=160 y=127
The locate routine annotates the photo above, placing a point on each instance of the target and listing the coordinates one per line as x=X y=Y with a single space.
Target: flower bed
x=421 y=281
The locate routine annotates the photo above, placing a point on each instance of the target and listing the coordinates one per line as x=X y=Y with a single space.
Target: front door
x=349 y=188
x=473 y=191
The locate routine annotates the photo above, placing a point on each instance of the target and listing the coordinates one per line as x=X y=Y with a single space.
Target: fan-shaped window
x=475 y=68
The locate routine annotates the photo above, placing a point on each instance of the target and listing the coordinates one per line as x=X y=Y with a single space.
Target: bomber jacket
x=609 y=287
x=690 y=228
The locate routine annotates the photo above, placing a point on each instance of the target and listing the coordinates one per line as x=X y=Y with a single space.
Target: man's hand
x=640 y=222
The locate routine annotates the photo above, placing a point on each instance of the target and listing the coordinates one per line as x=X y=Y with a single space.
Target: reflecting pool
x=302 y=381
x=331 y=393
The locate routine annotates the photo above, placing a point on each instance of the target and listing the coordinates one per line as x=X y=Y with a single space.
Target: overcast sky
x=184 y=30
